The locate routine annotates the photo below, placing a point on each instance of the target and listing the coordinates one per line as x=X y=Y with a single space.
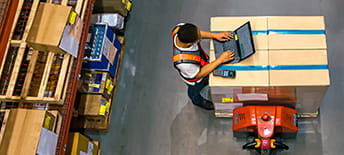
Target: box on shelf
x=110 y=6
x=114 y=20
x=92 y=122
x=56 y=28
x=104 y=64
x=93 y=105
x=290 y=51
x=31 y=131
x=101 y=43
x=96 y=83
x=79 y=144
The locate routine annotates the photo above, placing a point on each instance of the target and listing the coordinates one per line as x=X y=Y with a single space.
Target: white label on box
x=106 y=48
x=90 y=148
x=47 y=142
x=252 y=97
x=83 y=153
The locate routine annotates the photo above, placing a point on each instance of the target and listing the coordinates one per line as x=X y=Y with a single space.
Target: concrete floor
x=152 y=114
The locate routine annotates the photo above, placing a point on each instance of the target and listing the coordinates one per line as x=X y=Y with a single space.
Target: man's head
x=189 y=33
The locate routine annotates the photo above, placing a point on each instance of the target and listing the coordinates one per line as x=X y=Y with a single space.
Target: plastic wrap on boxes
x=114 y=20
x=100 y=43
x=104 y=64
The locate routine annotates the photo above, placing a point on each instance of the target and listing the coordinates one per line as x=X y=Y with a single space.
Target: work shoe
x=207 y=105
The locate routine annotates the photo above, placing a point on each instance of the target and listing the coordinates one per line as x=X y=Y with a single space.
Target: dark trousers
x=194 y=92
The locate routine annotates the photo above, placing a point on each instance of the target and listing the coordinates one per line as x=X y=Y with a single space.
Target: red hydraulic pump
x=265 y=122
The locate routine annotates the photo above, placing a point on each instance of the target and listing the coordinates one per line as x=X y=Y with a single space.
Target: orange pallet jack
x=265 y=124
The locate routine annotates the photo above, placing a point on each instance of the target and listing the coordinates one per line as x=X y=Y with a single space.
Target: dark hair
x=188 y=33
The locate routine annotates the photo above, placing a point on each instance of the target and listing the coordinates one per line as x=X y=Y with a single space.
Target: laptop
x=241 y=44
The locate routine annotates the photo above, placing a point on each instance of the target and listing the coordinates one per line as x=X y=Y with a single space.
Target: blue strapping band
x=272 y=67
x=296 y=32
x=260 y=32
x=243 y=68
x=263 y=32
x=298 y=67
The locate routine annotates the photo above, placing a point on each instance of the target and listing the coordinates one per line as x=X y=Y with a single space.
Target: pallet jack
x=266 y=124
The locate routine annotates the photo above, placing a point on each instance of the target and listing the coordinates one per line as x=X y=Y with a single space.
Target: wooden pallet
x=30 y=75
x=3 y=121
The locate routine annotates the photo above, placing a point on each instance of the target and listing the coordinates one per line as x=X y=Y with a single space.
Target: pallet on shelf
x=29 y=75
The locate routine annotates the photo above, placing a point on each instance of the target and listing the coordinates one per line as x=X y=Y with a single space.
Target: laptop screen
x=245 y=40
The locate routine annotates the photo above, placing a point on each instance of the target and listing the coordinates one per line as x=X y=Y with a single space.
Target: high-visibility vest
x=198 y=57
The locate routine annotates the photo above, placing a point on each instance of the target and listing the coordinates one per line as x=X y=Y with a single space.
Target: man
x=192 y=62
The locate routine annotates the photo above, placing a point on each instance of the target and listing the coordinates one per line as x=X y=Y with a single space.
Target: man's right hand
x=226 y=56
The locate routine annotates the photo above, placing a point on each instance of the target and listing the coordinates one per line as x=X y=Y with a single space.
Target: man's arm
x=221 y=36
x=207 y=69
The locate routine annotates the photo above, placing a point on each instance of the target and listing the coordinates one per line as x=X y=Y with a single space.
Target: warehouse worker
x=192 y=62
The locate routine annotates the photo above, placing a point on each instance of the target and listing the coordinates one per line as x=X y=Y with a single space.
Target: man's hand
x=226 y=56
x=223 y=36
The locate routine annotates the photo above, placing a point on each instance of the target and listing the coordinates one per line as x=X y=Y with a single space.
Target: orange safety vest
x=199 y=57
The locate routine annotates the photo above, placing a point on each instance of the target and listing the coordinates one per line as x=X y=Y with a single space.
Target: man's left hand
x=223 y=36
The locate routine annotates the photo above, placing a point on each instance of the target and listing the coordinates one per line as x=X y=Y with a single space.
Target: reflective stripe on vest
x=189 y=57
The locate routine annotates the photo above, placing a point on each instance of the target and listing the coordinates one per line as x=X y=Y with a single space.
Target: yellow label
x=72 y=17
x=236 y=37
x=110 y=89
x=102 y=110
x=129 y=6
x=94 y=85
x=227 y=99
x=107 y=83
x=47 y=122
x=108 y=104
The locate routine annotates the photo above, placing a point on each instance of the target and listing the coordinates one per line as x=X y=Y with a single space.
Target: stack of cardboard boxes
x=98 y=78
x=289 y=66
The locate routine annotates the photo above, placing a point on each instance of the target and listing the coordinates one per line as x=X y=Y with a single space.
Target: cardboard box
x=92 y=122
x=79 y=144
x=94 y=105
x=55 y=28
x=23 y=130
x=96 y=83
x=296 y=69
x=110 y=6
x=296 y=32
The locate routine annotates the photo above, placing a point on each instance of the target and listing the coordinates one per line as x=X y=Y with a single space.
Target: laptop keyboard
x=225 y=46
